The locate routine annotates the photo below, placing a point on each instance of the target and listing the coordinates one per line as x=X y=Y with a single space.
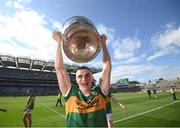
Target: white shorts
x=29 y=111
x=109 y=117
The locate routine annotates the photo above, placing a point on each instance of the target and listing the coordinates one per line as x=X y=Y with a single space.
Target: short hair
x=83 y=67
x=30 y=90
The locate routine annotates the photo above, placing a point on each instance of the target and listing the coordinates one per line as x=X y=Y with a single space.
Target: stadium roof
x=35 y=64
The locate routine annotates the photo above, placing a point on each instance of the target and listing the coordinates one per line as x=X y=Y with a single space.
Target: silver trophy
x=81 y=40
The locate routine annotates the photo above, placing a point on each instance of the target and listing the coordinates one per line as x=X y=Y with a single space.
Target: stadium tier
x=17 y=74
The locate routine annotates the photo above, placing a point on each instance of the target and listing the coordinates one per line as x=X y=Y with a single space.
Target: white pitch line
x=145 y=112
x=54 y=110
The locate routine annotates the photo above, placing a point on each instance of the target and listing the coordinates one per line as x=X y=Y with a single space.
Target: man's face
x=84 y=79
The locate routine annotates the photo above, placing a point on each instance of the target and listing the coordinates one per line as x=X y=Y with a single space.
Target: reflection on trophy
x=81 y=40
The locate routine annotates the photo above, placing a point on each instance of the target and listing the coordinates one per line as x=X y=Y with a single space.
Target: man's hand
x=103 y=39
x=57 y=36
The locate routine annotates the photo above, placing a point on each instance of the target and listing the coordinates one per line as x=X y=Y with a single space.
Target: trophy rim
x=83 y=19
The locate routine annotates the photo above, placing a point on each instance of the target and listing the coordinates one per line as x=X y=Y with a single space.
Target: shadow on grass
x=3 y=110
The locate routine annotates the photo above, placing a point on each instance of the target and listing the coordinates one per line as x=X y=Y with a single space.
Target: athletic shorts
x=29 y=111
x=109 y=117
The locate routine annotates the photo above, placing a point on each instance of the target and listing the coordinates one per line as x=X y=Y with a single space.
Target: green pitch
x=142 y=111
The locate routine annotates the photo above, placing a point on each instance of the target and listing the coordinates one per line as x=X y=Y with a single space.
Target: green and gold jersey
x=31 y=98
x=84 y=111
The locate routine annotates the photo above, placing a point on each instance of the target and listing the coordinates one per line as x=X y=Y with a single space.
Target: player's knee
x=24 y=119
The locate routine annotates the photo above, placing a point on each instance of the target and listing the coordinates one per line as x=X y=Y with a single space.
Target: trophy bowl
x=81 y=41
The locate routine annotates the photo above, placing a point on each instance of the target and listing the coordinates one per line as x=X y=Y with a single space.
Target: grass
x=142 y=111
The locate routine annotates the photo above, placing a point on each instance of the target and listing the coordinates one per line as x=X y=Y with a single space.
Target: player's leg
x=57 y=102
x=174 y=96
x=25 y=120
x=60 y=102
x=28 y=117
x=29 y=120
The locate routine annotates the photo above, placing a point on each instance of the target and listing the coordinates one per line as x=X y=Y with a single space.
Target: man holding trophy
x=85 y=106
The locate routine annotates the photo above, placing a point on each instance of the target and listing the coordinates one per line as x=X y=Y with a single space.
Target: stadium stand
x=17 y=74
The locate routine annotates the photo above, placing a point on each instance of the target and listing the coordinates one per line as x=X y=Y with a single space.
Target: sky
x=143 y=36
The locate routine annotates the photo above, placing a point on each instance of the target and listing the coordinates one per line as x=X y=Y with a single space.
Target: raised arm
x=62 y=75
x=106 y=71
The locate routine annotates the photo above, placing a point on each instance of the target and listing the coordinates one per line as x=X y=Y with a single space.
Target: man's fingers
x=103 y=38
x=57 y=36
